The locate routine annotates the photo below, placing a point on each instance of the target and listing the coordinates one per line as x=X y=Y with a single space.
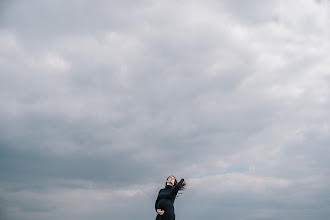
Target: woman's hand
x=160 y=212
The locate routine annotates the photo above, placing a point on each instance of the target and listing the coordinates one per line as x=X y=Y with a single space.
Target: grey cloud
x=108 y=99
x=31 y=167
x=252 y=11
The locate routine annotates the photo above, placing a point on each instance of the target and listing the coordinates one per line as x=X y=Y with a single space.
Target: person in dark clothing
x=164 y=204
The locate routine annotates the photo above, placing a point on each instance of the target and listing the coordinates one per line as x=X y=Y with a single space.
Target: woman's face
x=170 y=180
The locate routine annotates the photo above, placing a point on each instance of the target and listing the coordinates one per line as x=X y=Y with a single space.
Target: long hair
x=182 y=188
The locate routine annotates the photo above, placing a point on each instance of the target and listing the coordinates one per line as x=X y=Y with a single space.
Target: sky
x=102 y=100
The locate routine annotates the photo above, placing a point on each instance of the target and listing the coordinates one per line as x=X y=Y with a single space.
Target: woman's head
x=171 y=180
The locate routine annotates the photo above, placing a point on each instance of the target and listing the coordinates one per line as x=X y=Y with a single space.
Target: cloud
x=101 y=102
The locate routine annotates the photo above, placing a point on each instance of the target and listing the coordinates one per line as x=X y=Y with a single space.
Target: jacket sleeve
x=157 y=200
x=177 y=186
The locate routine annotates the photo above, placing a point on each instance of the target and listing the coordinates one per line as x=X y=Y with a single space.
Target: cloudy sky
x=102 y=100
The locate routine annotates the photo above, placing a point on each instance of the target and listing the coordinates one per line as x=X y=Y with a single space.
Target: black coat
x=165 y=201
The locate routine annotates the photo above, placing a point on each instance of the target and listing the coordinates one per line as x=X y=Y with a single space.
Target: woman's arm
x=178 y=186
x=157 y=200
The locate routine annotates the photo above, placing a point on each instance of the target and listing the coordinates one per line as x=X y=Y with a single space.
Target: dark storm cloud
x=29 y=167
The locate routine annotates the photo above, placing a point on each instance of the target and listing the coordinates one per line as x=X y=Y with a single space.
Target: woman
x=164 y=203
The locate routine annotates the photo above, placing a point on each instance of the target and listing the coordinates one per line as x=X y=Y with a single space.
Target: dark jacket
x=165 y=201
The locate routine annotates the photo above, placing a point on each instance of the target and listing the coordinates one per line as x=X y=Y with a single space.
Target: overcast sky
x=102 y=100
